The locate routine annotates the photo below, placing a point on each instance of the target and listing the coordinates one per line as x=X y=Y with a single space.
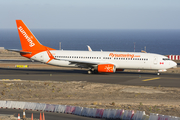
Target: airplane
x=95 y=61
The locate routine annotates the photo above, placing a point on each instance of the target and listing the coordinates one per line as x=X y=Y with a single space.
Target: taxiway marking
x=151 y=79
x=10 y=79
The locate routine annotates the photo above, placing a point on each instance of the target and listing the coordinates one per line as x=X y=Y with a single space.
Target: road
x=124 y=78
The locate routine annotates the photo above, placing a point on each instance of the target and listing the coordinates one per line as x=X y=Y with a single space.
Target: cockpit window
x=166 y=59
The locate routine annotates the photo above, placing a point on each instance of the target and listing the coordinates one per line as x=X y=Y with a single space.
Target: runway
x=123 y=78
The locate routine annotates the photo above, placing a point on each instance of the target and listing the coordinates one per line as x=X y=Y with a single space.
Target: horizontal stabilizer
x=19 y=51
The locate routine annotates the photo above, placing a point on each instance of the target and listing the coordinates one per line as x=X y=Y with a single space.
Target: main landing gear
x=92 y=71
x=89 y=71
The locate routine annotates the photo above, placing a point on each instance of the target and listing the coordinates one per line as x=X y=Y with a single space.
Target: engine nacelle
x=110 y=68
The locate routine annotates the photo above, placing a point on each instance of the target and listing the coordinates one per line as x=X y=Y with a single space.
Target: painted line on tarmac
x=10 y=80
x=151 y=79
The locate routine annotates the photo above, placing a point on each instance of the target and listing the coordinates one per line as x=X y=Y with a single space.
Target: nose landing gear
x=158 y=73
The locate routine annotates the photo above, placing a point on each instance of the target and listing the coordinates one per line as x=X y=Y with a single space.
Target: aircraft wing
x=88 y=63
x=83 y=62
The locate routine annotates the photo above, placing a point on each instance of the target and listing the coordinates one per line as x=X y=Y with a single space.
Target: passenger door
x=155 y=60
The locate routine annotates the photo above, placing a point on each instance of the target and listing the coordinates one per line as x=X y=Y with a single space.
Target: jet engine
x=110 y=68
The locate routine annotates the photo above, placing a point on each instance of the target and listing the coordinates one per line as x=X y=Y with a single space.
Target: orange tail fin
x=29 y=42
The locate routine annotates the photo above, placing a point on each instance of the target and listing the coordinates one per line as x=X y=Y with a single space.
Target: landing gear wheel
x=89 y=71
x=158 y=73
x=92 y=71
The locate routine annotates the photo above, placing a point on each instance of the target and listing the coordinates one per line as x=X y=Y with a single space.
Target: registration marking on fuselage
x=151 y=79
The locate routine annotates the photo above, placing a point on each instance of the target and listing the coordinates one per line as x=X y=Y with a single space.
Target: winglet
x=89 y=48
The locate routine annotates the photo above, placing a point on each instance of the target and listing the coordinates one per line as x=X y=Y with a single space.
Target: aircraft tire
x=89 y=72
x=158 y=73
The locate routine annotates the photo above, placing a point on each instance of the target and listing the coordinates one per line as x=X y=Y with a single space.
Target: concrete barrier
x=49 y=108
x=166 y=117
x=138 y=115
x=92 y=112
x=99 y=113
x=61 y=108
x=30 y=106
x=40 y=106
x=67 y=111
x=111 y=113
x=17 y=105
x=85 y=112
x=70 y=109
x=128 y=115
x=8 y=104
x=57 y=108
x=106 y=112
x=73 y=108
x=78 y=110
x=119 y=114
x=3 y=104
x=125 y=114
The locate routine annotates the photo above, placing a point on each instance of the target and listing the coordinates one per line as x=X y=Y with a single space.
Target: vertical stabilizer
x=29 y=42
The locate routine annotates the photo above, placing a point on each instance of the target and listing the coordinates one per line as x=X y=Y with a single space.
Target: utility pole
x=59 y=45
x=134 y=46
x=145 y=48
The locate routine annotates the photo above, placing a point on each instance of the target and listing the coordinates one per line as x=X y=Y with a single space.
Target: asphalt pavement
x=123 y=78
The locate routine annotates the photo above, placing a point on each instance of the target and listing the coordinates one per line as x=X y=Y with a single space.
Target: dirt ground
x=7 y=117
x=160 y=100
x=11 y=117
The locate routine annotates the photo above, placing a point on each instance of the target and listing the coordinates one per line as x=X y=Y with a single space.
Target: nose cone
x=174 y=64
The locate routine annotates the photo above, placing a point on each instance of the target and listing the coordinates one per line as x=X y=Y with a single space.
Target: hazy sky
x=91 y=14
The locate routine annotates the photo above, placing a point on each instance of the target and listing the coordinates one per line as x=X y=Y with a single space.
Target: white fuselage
x=122 y=60
x=96 y=61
